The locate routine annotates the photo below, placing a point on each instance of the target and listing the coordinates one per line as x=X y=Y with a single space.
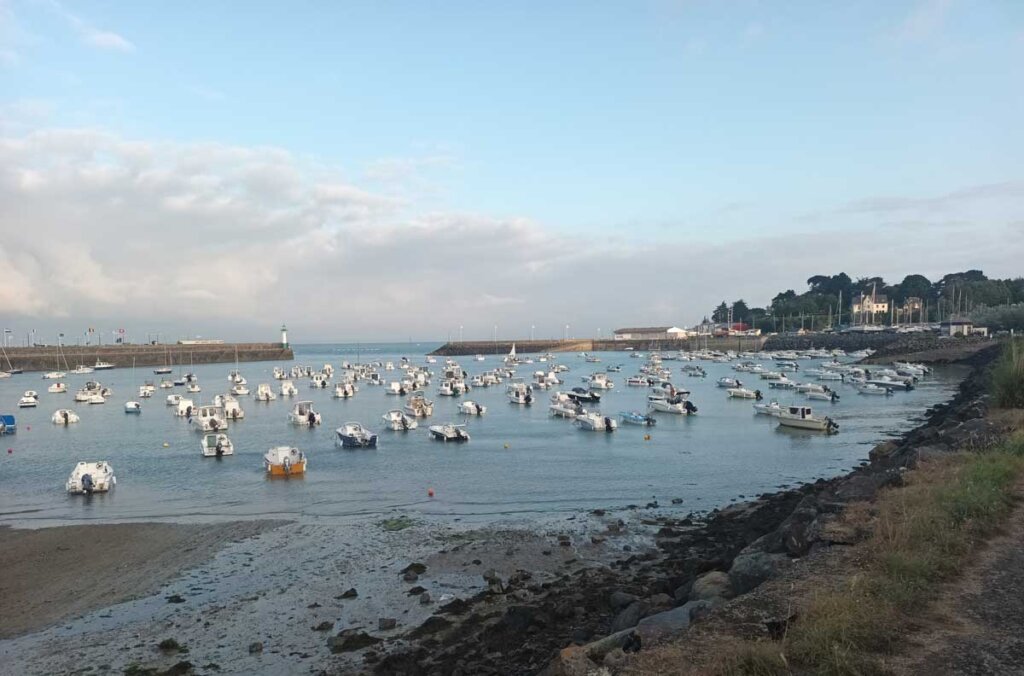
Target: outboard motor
x=65 y=414
x=219 y=450
x=690 y=407
x=757 y=395
x=479 y=409
x=311 y=418
x=87 y=483
x=214 y=424
x=405 y=423
x=529 y=398
x=835 y=396
x=608 y=425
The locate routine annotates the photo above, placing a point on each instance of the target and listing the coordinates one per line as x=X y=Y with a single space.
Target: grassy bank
x=1008 y=376
x=921 y=535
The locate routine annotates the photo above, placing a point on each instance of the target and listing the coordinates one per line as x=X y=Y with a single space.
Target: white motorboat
x=193 y=388
x=743 y=393
x=827 y=395
x=81 y=370
x=801 y=417
x=96 y=399
x=595 y=422
x=319 y=381
x=564 y=406
x=449 y=432
x=871 y=388
x=54 y=375
x=216 y=445
x=264 y=393
x=64 y=416
x=519 y=392
x=472 y=408
x=29 y=400
x=173 y=399
x=344 y=390
x=209 y=418
x=288 y=389
x=399 y=421
x=479 y=357
x=782 y=384
x=284 y=461
x=637 y=418
x=240 y=390
x=133 y=407
x=232 y=408
x=600 y=381
x=91 y=477
x=419 y=406
x=57 y=388
x=677 y=404
x=397 y=388
x=637 y=381
x=147 y=390
x=279 y=373
x=166 y=384
x=102 y=365
x=731 y=383
x=184 y=408
x=304 y=414
x=830 y=375
x=810 y=387
x=88 y=390
x=354 y=435
x=235 y=376
x=772 y=408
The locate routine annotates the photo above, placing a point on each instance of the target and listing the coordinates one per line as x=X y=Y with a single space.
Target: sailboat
x=166 y=368
x=511 y=357
x=10 y=368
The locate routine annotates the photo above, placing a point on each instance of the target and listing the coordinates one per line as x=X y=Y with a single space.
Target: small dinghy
x=472 y=408
x=91 y=477
x=595 y=422
x=132 y=407
x=284 y=461
x=264 y=393
x=676 y=403
x=581 y=394
x=449 y=432
x=637 y=418
x=303 y=414
x=216 y=445
x=57 y=388
x=29 y=400
x=64 y=416
x=827 y=395
x=772 y=409
x=729 y=382
x=871 y=388
x=354 y=435
x=398 y=421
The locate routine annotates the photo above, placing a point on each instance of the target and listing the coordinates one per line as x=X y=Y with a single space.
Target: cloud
x=91 y=35
x=925 y=20
x=229 y=241
x=1012 y=190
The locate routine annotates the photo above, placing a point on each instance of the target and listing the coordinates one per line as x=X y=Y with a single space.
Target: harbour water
x=520 y=460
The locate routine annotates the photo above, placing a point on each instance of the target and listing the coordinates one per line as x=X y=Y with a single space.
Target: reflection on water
x=520 y=459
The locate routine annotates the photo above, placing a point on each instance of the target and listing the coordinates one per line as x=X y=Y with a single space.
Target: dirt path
x=978 y=627
x=52 y=574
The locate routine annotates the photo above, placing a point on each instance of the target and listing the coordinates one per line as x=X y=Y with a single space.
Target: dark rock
x=313 y=605
x=255 y=647
x=621 y=599
x=596 y=539
x=752 y=568
x=455 y=607
x=169 y=645
x=410 y=576
x=630 y=616
x=386 y=623
x=477 y=562
x=351 y=639
x=326 y=625
x=432 y=625
x=659 y=601
x=677 y=501
x=598 y=512
x=627 y=548
x=425 y=598
x=416 y=591
x=350 y=594
x=417 y=568
x=175 y=598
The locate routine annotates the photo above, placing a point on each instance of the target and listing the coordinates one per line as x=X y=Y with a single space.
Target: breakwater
x=738 y=343
x=50 y=358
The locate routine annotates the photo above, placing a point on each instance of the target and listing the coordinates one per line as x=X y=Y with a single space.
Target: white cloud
x=91 y=35
x=230 y=241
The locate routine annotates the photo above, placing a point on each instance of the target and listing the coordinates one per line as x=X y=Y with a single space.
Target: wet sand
x=51 y=575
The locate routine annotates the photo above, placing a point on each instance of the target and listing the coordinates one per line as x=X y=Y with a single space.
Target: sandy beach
x=54 y=574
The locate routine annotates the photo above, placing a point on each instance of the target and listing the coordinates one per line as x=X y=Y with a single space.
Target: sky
x=394 y=170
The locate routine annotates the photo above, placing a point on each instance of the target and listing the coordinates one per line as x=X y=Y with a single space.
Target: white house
x=651 y=333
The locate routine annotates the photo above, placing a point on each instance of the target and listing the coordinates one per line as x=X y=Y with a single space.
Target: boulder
x=660 y=601
x=621 y=599
x=349 y=640
x=711 y=586
x=628 y=617
x=750 y=569
x=386 y=623
x=671 y=623
x=882 y=450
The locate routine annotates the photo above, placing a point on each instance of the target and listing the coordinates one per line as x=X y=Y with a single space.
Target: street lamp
x=566 y=332
x=532 y=327
x=460 y=333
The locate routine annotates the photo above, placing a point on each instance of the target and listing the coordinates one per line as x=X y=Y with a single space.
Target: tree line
x=958 y=294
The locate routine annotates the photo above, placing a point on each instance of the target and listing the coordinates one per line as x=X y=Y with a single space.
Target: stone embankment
x=588 y=618
x=67 y=357
x=502 y=347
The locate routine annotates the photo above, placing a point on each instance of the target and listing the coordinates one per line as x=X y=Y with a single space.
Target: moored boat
x=64 y=416
x=354 y=435
x=801 y=417
x=595 y=422
x=216 y=445
x=91 y=477
x=449 y=432
x=472 y=408
x=399 y=421
x=304 y=414
x=637 y=418
x=284 y=461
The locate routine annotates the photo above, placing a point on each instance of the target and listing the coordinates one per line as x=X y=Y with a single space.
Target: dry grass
x=1008 y=376
x=922 y=535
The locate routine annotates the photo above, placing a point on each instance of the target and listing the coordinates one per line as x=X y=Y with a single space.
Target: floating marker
x=166 y=445
x=430 y=492
x=647 y=437
x=10 y=450
x=506 y=445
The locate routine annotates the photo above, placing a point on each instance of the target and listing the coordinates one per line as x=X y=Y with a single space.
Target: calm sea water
x=520 y=460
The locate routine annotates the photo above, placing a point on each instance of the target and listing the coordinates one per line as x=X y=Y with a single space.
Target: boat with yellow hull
x=284 y=461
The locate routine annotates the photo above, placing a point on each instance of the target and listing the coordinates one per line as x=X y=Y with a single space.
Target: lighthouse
x=284 y=336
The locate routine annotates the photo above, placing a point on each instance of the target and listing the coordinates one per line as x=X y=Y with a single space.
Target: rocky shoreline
x=589 y=616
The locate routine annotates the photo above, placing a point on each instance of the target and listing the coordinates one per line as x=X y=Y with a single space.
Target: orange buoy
x=430 y=492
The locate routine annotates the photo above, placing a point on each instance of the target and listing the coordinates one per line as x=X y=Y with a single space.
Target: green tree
x=721 y=313
x=740 y=312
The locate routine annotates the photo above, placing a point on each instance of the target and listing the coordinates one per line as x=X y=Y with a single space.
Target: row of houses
x=705 y=328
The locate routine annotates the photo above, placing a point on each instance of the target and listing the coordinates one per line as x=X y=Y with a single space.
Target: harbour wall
x=47 y=358
x=739 y=343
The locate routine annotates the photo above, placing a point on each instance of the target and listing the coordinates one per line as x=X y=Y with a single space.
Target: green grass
x=1008 y=376
x=923 y=534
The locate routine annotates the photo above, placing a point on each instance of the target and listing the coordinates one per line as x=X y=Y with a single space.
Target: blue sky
x=649 y=122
